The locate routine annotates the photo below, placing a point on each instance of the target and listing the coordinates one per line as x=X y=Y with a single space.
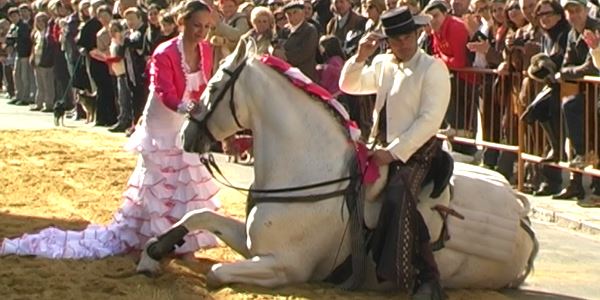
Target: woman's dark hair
x=154 y=6
x=556 y=7
x=166 y=17
x=513 y=4
x=332 y=47
x=117 y=25
x=191 y=7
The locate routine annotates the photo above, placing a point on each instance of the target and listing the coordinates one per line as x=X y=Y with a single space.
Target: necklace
x=192 y=86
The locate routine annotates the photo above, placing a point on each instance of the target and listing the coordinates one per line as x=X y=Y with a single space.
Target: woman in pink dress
x=166 y=182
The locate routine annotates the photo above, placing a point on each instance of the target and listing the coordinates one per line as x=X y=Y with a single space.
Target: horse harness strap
x=444 y=212
x=234 y=76
x=212 y=167
x=230 y=84
x=287 y=199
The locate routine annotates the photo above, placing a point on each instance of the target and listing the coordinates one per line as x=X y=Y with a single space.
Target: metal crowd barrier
x=499 y=100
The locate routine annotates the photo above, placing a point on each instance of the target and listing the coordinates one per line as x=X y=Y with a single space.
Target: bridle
x=230 y=84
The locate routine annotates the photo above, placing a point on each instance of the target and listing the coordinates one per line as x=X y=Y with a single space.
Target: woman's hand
x=502 y=68
x=229 y=146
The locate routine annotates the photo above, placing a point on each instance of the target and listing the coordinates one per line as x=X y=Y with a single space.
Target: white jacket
x=418 y=93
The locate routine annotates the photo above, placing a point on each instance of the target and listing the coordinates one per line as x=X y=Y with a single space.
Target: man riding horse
x=413 y=91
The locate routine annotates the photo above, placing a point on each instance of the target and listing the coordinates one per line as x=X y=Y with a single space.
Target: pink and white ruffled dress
x=165 y=184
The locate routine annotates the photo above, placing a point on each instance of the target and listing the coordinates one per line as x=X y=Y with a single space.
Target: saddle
x=440 y=173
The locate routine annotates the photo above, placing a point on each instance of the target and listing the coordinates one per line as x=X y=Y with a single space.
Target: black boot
x=574 y=190
x=429 y=286
x=547 y=189
x=552 y=131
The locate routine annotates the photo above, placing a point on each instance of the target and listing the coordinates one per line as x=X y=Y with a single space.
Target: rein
x=212 y=167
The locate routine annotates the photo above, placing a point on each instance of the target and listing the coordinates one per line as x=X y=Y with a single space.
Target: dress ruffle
x=165 y=184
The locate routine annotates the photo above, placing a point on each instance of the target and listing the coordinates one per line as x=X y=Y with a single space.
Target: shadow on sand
x=16 y=225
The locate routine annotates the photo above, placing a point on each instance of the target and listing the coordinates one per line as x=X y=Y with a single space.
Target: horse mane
x=340 y=120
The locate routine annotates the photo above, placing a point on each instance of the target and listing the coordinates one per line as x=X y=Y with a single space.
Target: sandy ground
x=69 y=178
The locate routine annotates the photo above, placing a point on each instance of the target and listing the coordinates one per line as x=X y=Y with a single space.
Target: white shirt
x=417 y=93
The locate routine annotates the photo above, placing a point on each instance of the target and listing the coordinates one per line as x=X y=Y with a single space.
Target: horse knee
x=259 y=270
x=166 y=242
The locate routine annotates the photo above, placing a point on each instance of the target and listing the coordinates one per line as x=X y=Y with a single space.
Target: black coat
x=578 y=61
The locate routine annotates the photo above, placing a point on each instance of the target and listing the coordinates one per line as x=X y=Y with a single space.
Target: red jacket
x=450 y=44
x=166 y=74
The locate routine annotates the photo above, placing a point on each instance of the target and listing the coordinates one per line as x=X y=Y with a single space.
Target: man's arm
x=435 y=96
x=357 y=78
x=576 y=72
x=230 y=32
x=459 y=36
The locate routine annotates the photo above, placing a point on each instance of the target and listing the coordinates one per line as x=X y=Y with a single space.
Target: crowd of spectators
x=61 y=50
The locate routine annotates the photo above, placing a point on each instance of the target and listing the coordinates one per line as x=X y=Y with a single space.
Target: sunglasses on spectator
x=513 y=7
x=545 y=13
x=278 y=19
x=276 y=4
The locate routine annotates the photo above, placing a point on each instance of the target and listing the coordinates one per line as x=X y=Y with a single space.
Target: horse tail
x=526 y=225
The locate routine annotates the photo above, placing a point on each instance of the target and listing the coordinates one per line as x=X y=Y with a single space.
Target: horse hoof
x=212 y=282
x=147 y=265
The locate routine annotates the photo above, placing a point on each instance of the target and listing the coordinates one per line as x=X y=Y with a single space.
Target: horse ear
x=240 y=50
x=251 y=46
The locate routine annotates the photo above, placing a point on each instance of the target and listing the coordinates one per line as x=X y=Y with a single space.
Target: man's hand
x=368 y=45
x=472 y=22
x=382 y=157
x=591 y=38
x=481 y=47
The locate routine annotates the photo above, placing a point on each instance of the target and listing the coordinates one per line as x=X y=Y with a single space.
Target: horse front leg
x=229 y=230
x=263 y=271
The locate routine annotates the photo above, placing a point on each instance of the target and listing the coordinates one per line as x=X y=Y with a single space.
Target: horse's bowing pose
x=298 y=142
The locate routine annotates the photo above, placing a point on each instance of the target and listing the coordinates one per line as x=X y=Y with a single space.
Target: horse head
x=219 y=115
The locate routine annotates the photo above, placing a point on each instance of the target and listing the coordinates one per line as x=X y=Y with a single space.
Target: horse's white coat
x=297 y=142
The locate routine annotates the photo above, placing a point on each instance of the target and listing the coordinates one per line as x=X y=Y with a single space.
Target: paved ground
x=567 y=265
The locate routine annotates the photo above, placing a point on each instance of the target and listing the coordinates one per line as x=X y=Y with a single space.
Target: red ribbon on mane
x=369 y=169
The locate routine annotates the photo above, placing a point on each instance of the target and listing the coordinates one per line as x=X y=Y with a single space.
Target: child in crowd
x=333 y=56
x=168 y=28
x=4 y=53
x=117 y=67
x=43 y=62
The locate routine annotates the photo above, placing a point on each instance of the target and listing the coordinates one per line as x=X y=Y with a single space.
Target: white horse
x=298 y=142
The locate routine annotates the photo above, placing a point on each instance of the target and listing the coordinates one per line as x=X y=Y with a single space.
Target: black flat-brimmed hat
x=400 y=20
